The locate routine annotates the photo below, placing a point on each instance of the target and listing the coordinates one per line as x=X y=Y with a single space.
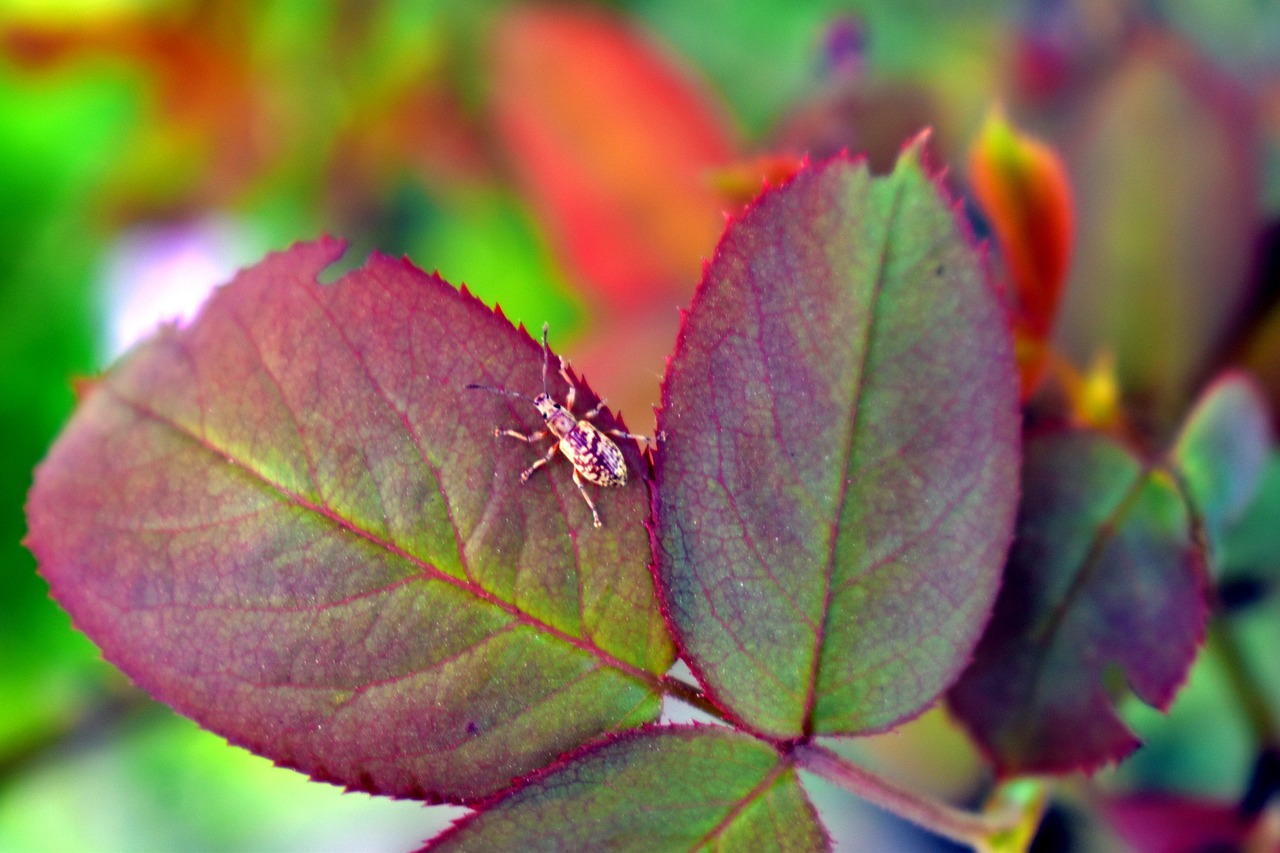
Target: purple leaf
x=837 y=487
x=1104 y=575
x=670 y=788
x=291 y=522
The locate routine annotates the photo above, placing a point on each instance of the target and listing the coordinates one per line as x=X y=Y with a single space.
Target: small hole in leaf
x=349 y=261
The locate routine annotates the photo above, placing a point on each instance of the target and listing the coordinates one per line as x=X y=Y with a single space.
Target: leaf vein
x=424 y=568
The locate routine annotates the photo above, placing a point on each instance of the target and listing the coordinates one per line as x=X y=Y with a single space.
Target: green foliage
x=58 y=142
x=289 y=519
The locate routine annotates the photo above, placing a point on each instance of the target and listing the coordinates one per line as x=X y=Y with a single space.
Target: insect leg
x=531 y=437
x=617 y=433
x=573 y=388
x=647 y=439
x=582 y=490
x=550 y=454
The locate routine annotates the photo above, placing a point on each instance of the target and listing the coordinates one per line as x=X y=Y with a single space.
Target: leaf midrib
x=1044 y=636
x=807 y=722
x=758 y=792
x=650 y=680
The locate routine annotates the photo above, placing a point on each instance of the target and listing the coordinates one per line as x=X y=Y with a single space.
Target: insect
x=593 y=454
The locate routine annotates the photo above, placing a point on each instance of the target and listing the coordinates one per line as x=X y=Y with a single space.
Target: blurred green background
x=149 y=149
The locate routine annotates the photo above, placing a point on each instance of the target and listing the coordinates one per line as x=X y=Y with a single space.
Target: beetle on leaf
x=594 y=455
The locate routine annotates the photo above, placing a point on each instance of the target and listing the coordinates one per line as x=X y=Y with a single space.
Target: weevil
x=593 y=454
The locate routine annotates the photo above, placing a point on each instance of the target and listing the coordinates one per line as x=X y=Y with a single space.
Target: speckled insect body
x=594 y=455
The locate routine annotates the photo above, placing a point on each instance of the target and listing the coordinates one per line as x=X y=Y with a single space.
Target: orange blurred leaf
x=1035 y=357
x=1023 y=189
x=614 y=145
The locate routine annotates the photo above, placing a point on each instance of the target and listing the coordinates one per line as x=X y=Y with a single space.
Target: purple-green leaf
x=1222 y=450
x=836 y=491
x=1105 y=579
x=670 y=788
x=291 y=522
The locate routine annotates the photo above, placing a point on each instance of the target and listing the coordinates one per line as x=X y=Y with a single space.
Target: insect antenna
x=495 y=389
x=546 y=357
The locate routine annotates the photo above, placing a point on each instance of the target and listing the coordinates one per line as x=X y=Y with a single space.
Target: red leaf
x=291 y=522
x=614 y=145
x=1104 y=573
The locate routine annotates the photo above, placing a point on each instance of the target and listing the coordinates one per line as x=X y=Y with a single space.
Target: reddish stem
x=931 y=814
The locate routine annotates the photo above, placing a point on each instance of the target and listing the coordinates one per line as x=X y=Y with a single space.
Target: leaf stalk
x=981 y=831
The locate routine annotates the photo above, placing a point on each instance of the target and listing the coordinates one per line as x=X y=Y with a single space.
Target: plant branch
x=1257 y=709
x=690 y=695
x=974 y=829
x=1258 y=712
x=1221 y=638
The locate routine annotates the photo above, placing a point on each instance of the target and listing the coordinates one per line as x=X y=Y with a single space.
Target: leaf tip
x=915 y=150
